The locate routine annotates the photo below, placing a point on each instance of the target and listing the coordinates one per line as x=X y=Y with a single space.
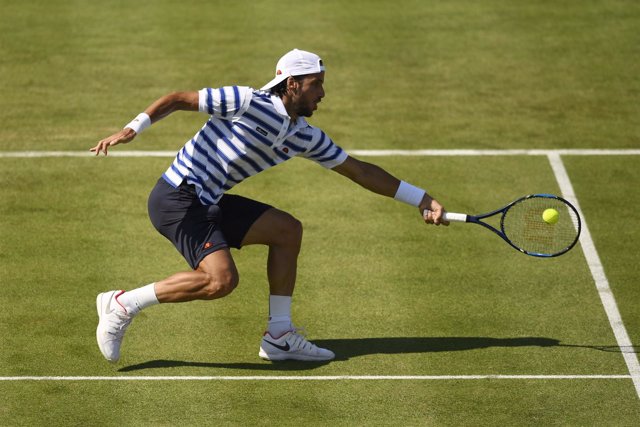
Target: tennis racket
x=522 y=225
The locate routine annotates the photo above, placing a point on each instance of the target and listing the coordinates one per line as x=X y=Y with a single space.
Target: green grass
x=344 y=404
x=409 y=74
x=604 y=185
x=387 y=294
x=398 y=304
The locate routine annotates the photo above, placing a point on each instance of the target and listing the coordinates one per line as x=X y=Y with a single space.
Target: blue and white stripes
x=248 y=131
x=214 y=101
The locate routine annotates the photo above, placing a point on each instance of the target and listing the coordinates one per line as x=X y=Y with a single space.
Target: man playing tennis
x=247 y=132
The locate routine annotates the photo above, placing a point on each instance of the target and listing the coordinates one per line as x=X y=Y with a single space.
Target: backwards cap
x=295 y=63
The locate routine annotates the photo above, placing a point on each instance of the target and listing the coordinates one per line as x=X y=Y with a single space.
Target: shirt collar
x=280 y=109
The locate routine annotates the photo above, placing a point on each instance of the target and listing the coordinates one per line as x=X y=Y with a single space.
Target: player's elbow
x=187 y=101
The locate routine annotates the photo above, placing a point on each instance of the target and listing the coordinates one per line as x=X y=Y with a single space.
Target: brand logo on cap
x=278 y=72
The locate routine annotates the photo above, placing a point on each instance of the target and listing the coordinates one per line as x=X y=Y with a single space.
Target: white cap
x=295 y=63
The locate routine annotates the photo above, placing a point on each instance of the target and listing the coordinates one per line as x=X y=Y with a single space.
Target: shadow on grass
x=347 y=348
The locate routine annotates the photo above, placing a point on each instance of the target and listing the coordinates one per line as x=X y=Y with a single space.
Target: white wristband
x=140 y=123
x=409 y=194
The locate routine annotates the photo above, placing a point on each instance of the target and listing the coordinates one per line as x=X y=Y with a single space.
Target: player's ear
x=293 y=85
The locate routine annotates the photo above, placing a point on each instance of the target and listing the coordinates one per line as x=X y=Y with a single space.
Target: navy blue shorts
x=197 y=230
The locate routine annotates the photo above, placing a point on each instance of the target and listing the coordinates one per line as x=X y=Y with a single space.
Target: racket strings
x=524 y=226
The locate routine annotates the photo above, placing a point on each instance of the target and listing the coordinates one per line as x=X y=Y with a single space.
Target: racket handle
x=452 y=216
x=455 y=217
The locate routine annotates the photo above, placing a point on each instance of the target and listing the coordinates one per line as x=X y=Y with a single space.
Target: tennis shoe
x=112 y=324
x=292 y=346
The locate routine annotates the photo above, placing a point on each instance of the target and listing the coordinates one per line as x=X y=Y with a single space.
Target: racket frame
x=477 y=219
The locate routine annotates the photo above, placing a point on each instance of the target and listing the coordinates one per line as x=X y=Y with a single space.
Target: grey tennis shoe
x=292 y=346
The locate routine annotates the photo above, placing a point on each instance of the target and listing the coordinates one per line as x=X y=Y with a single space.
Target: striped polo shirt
x=248 y=131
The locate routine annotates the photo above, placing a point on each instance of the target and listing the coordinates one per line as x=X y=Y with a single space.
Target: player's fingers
x=97 y=148
x=427 y=215
x=101 y=147
x=437 y=216
x=430 y=217
x=440 y=216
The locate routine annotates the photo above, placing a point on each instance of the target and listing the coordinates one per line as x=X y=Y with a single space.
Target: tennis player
x=247 y=132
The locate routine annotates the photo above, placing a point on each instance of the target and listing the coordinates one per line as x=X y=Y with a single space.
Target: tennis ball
x=550 y=216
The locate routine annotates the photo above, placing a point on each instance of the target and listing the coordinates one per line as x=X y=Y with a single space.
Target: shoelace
x=299 y=340
x=118 y=323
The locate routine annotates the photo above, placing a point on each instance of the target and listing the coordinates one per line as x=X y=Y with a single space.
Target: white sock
x=137 y=299
x=279 y=315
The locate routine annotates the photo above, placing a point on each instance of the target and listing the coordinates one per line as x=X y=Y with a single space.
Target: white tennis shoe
x=292 y=346
x=113 y=322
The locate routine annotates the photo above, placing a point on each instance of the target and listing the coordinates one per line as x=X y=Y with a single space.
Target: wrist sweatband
x=409 y=194
x=140 y=123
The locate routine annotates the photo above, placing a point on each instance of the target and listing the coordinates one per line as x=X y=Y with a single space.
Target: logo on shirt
x=262 y=131
x=285 y=149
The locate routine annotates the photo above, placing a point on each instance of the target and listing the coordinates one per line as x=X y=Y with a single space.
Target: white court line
x=318 y=378
x=523 y=152
x=365 y=153
x=113 y=153
x=597 y=272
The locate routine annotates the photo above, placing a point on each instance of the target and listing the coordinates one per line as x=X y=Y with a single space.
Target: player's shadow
x=348 y=348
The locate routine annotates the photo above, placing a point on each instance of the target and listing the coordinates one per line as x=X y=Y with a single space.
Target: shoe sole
x=292 y=356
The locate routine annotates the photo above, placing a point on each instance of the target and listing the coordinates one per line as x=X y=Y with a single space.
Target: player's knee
x=290 y=232
x=220 y=284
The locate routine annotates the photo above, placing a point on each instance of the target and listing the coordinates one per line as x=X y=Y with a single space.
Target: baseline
x=318 y=378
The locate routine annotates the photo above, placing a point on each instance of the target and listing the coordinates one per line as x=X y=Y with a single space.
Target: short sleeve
x=323 y=150
x=225 y=102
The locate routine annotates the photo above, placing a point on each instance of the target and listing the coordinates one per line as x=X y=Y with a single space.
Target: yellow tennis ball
x=550 y=216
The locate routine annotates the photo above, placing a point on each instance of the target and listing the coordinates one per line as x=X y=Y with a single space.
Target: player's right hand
x=121 y=137
x=432 y=211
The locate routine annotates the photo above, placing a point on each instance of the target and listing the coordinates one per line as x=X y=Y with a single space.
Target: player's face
x=309 y=94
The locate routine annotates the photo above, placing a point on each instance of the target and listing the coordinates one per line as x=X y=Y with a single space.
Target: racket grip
x=455 y=217
x=452 y=216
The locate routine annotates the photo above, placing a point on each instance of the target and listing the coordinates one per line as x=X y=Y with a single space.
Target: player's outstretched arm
x=376 y=179
x=162 y=107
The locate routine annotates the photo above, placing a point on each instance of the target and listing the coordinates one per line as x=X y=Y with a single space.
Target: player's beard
x=307 y=111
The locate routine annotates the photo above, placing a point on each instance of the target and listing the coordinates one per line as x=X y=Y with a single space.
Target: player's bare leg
x=282 y=233
x=215 y=277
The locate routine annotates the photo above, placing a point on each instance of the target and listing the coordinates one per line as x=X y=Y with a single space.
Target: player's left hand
x=121 y=137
